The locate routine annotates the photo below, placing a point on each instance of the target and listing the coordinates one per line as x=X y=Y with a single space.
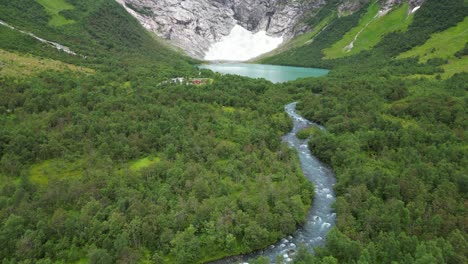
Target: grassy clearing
x=53 y=8
x=55 y=169
x=43 y=172
x=14 y=64
x=82 y=261
x=228 y=109
x=395 y=20
x=441 y=45
x=143 y=163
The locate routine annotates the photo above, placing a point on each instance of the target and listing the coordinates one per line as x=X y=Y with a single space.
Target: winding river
x=320 y=217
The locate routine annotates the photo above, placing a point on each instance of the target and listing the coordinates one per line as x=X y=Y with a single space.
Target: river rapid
x=320 y=218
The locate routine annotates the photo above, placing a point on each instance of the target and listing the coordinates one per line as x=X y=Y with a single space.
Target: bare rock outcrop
x=194 y=25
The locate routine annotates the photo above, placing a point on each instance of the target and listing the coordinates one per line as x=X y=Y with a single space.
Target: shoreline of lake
x=273 y=73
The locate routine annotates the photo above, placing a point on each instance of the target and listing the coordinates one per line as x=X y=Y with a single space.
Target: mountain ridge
x=195 y=25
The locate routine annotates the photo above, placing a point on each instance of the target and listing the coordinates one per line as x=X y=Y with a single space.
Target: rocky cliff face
x=194 y=25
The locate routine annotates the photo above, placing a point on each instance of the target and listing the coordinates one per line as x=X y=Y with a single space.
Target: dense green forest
x=119 y=169
x=114 y=166
x=399 y=153
x=395 y=141
x=105 y=162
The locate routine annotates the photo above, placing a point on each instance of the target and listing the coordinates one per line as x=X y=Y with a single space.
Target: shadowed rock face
x=194 y=25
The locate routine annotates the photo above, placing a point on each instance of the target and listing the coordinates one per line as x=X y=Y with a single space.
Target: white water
x=321 y=216
x=242 y=45
x=53 y=44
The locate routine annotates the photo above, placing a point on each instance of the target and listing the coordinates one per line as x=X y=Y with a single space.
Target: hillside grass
x=337 y=49
x=441 y=45
x=53 y=8
x=377 y=27
x=395 y=20
x=300 y=40
x=308 y=37
x=454 y=66
x=15 y=64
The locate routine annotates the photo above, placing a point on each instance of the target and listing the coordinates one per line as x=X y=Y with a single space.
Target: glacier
x=242 y=45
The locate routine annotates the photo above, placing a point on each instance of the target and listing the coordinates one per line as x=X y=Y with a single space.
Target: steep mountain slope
x=196 y=25
x=98 y=28
x=389 y=35
x=373 y=25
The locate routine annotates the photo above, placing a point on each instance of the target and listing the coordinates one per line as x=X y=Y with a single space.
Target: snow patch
x=242 y=45
x=415 y=9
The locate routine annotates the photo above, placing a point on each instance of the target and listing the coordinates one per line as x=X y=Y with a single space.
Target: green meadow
x=53 y=8
x=441 y=45
x=371 y=29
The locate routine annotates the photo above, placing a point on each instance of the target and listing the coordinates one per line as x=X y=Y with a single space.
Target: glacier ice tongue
x=242 y=45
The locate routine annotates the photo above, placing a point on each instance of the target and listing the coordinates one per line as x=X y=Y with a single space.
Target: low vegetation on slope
x=310 y=54
x=104 y=34
x=432 y=17
x=372 y=27
x=442 y=45
x=449 y=46
x=300 y=40
x=53 y=8
x=16 y=64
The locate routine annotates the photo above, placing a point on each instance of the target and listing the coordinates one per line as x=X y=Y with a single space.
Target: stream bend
x=320 y=218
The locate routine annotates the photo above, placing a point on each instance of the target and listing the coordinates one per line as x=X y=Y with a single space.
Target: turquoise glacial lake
x=273 y=73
